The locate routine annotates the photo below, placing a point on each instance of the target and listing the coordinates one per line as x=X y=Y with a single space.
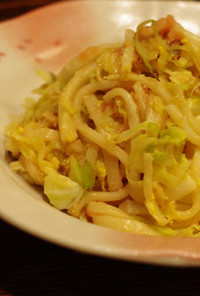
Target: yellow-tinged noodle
x=114 y=138
x=130 y=105
x=66 y=108
x=99 y=196
x=109 y=216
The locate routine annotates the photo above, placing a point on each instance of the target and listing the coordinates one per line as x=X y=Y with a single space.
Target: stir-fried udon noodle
x=114 y=138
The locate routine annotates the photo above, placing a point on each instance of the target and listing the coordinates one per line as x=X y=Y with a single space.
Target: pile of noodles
x=114 y=138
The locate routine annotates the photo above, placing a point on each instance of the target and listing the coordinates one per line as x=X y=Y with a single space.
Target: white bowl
x=46 y=39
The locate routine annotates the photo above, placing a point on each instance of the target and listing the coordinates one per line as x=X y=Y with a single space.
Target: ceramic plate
x=46 y=39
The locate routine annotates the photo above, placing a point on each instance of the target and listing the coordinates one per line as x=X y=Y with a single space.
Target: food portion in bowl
x=114 y=137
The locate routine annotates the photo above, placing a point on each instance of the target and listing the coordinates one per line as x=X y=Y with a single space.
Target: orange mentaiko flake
x=21 y=47
x=28 y=40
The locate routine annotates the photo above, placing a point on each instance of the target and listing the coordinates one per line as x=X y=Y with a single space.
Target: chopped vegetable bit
x=61 y=190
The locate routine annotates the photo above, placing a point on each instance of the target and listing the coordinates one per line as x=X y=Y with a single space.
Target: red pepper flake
x=2 y=54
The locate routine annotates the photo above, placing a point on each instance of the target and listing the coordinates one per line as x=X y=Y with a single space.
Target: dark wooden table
x=12 y=8
x=29 y=266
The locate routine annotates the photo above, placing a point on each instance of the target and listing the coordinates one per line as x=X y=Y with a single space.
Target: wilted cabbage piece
x=84 y=174
x=61 y=190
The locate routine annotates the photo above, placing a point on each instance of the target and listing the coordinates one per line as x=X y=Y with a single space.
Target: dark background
x=29 y=266
x=12 y=8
